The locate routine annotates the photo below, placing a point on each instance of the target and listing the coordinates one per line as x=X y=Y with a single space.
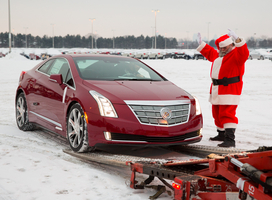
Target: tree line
x=72 y=41
x=121 y=42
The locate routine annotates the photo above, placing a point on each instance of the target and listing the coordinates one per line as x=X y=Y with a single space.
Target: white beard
x=222 y=54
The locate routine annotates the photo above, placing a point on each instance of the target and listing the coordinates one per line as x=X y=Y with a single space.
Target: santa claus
x=228 y=66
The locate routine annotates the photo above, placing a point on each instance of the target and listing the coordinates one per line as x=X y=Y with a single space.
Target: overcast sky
x=177 y=18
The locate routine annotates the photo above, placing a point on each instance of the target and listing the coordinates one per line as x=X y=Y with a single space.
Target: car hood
x=118 y=91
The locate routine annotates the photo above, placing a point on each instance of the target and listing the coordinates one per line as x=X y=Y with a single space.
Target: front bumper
x=127 y=130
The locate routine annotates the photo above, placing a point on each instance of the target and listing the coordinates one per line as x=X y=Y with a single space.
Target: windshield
x=114 y=68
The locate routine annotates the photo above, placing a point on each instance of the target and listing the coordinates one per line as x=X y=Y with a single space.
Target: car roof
x=94 y=55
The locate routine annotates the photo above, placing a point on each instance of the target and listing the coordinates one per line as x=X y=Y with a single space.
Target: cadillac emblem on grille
x=166 y=113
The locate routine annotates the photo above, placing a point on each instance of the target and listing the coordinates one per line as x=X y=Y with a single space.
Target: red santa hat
x=223 y=41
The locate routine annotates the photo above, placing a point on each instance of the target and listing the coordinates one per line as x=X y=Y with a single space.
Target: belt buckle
x=214 y=81
x=225 y=81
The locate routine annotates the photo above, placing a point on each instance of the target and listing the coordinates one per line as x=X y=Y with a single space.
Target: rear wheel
x=77 y=129
x=22 y=114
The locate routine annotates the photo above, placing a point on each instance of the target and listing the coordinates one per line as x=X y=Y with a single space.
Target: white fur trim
x=220 y=129
x=216 y=67
x=227 y=99
x=230 y=125
x=216 y=99
x=239 y=44
x=226 y=42
x=201 y=46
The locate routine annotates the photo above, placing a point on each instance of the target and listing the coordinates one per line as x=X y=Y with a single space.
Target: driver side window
x=61 y=66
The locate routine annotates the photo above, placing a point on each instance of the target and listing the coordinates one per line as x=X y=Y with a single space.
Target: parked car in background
x=116 y=52
x=254 y=54
x=198 y=55
x=188 y=54
x=156 y=54
x=259 y=54
x=141 y=54
x=177 y=53
x=128 y=53
x=96 y=100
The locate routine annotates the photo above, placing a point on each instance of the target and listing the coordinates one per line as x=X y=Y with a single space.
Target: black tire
x=196 y=57
x=77 y=133
x=22 y=114
x=261 y=58
x=250 y=58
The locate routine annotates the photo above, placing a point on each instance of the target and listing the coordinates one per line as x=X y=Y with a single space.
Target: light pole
x=113 y=39
x=255 y=39
x=53 y=34
x=165 y=40
x=25 y=36
x=152 y=41
x=208 y=31
x=95 y=39
x=13 y=38
x=155 y=11
x=9 y=27
x=92 y=19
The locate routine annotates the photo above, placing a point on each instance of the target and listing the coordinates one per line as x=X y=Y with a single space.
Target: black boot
x=229 y=138
x=219 y=137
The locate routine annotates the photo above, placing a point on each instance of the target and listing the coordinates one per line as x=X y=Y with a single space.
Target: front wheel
x=22 y=114
x=77 y=133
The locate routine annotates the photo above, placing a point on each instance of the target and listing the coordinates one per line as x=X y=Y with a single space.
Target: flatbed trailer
x=246 y=175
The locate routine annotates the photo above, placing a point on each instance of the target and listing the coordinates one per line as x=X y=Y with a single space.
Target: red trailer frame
x=245 y=175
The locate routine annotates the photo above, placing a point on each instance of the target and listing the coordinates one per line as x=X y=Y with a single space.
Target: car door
x=50 y=100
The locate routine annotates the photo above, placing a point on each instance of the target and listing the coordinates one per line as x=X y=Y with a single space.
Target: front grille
x=142 y=138
x=151 y=114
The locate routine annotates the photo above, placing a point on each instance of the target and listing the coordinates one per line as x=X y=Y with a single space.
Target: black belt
x=225 y=81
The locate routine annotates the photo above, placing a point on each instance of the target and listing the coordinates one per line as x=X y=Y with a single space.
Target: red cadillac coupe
x=97 y=100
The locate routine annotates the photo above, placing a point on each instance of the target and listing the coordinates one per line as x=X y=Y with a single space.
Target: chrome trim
x=52 y=80
x=64 y=95
x=58 y=128
x=192 y=138
x=147 y=142
x=128 y=141
x=45 y=118
x=158 y=103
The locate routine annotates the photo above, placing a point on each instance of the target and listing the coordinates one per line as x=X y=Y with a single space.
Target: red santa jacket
x=231 y=65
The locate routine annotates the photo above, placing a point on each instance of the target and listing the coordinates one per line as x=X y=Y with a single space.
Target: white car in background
x=156 y=54
x=128 y=53
x=141 y=54
x=259 y=54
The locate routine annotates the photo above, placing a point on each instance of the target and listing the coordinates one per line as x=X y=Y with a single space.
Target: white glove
x=199 y=40
x=232 y=34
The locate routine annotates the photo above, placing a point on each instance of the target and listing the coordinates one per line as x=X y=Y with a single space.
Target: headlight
x=198 y=109
x=105 y=106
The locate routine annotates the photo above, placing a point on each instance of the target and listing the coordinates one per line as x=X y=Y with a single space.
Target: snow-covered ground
x=35 y=168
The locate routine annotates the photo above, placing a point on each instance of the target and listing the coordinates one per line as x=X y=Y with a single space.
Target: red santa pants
x=224 y=116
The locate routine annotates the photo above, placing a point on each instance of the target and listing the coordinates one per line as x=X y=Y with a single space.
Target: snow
x=33 y=166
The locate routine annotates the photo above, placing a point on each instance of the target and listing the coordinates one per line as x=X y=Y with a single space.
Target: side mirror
x=56 y=78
